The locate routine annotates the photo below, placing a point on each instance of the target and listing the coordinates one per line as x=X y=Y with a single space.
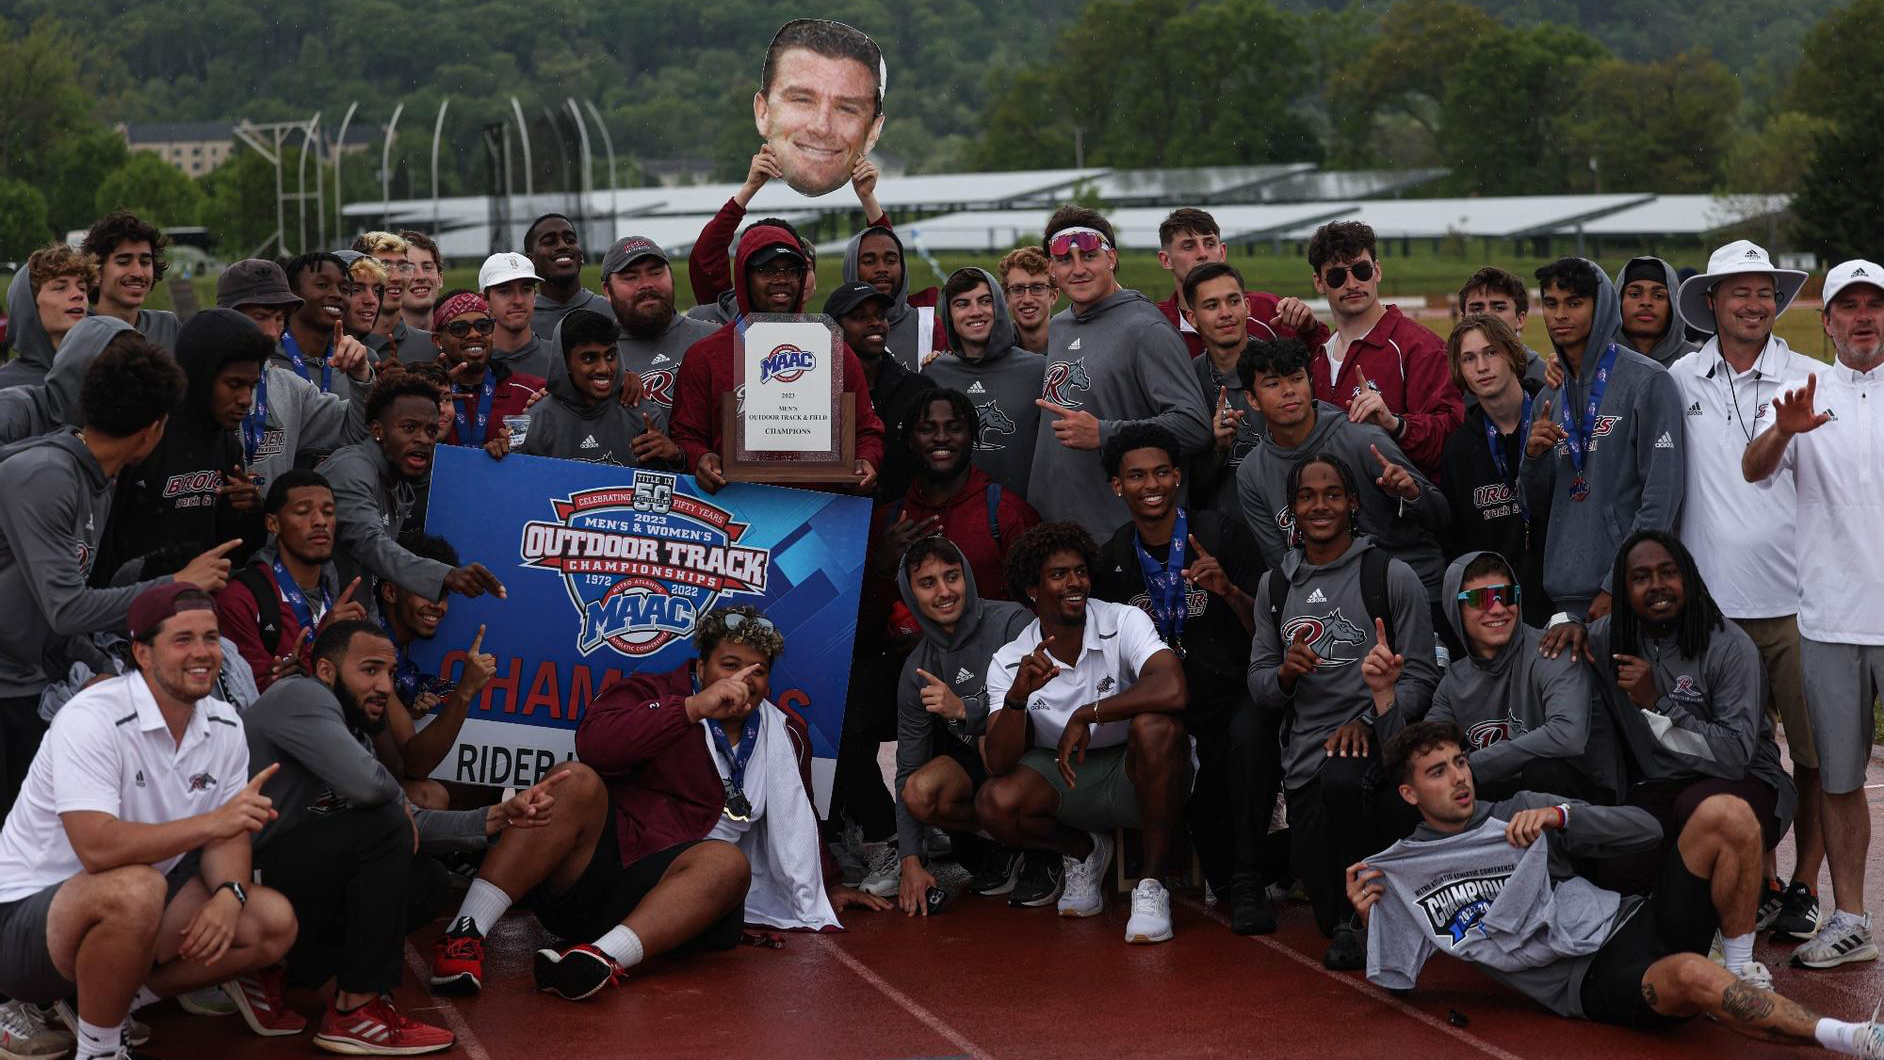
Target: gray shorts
x=27 y=972
x=1841 y=682
x=1102 y=797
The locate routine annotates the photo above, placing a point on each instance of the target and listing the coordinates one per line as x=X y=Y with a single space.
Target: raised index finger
x=225 y=548
x=1051 y=407
x=1385 y=464
x=477 y=642
x=1196 y=546
x=255 y=782
x=927 y=676
x=1380 y=632
x=347 y=594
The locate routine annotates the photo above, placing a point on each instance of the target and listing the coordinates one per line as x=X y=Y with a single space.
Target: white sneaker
x=209 y=1001
x=1842 y=939
x=25 y=1034
x=1868 y=1037
x=1084 y=878
x=135 y=1032
x=848 y=851
x=883 y=874
x=1151 y=913
x=1756 y=974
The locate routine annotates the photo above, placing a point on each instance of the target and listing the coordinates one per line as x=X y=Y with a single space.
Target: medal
x=1165 y=592
x=1579 y=487
x=1580 y=432
x=738 y=807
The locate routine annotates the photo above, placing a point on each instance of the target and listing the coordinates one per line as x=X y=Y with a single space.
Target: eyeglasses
x=460 y=328
x=399 y=268
x=735 y=619
x=1483 y=597
x=1087 y=240
x=1033 y=290
x=778 y=272
x=1338 y=276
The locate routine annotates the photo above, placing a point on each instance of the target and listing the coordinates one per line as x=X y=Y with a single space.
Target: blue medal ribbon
x=293 y=350
x=1581 y=431
x=1498 y=457
x=255 y=424
x=296 y=600
x=473 y=433
x=406 y=675
x=736 y=758
x=1164 y=583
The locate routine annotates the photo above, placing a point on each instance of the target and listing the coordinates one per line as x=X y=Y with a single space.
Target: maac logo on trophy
x=642 y=562
x=786 y=364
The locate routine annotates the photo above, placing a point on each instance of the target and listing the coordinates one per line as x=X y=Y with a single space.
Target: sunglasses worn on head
x=1338 y=276
x=1088 y=242
x=1484 y=596
x=735 y=620
x=460 y=328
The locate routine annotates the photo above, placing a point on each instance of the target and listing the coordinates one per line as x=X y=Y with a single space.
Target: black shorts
x=945 y=744
x=608 y=891
x=1677 y=917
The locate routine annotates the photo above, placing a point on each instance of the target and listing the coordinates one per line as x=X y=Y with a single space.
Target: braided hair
x=1700 y=616
x=1347 y=483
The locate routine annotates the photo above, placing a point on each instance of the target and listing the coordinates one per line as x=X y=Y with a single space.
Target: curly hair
x=1031 y=550
x=1340 y=241
x=367 y=270
x=1574 y=275
x=1026 y=259
x=1283 y=357
x=395 y=385
x=131 y=385
x=1415 y=740
x=123 y=226
x=761 y=636
x=59 y=259
x=1137 y=434
x=379 y=243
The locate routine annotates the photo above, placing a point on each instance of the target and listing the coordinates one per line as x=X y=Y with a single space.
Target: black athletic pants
x=857 y=788
x=1336 y=819
x=20 y=734
x=357 y=889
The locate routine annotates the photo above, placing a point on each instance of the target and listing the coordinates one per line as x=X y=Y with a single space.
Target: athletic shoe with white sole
x=998 y=874
x=1798 y=918
x=1757 y=974
x=577 y=972
x=1151 y=913
x=1085 y=879
x=883 y=874
x=209 y=1001
x=1869 y=1038
x=135 y=1033
x=25 y=1033
x=257 y=996
x=1772 y=900
x=1842 y=939
x=378 y=1029
x=1042 y=880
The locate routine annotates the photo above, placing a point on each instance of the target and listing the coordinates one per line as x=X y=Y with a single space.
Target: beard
x=638 y=324
x=355 y=714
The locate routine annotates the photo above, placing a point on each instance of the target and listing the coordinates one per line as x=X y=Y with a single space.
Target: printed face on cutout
x=820 y=117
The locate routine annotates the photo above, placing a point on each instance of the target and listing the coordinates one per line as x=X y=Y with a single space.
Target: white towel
x=781 y=840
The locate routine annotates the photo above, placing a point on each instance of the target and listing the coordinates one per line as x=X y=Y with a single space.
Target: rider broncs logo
x=786 y=364
x=642 y=562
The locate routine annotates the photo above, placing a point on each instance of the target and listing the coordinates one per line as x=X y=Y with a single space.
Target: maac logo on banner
x=642 y=562
x=786 y=364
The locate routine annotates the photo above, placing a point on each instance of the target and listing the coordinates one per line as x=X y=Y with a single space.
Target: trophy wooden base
x=787 y=468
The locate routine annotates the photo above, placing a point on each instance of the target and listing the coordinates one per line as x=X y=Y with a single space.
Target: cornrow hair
x=1030 y=552
x=1700 y=616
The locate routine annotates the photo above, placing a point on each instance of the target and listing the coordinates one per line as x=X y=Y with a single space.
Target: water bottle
x=1442 y=655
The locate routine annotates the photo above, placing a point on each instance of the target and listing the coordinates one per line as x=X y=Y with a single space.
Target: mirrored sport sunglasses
x=734 y=620
x=1484 y=596
x=1338 y=276
x=1087 y=240
x=460 y=328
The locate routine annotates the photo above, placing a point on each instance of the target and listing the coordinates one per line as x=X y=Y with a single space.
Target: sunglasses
x=1087 y=240
x=458 y=329
x=1338 y=276
x=734 y=620
x=1483 y=597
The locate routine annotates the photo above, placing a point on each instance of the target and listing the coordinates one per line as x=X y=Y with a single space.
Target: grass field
x=1417 y=280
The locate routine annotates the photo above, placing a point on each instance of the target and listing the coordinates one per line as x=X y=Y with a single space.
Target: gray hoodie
x=327 y=767
x=1328 y=600
x=1405 y=529
x=905 y=340
x=1518 y=706
x=550 y=313
x=531 y=358
x=1523 y=916
x=1674 y=343
x=58 y=503
x=31 y=345
x=567 y=426
x=301 y=420
x=1122 y=362
x=160 y=326
x=1708 y=720
x=656 y=361
x=1635 y=468
x=1002 y=383
x=370 y=505
x=960 y=659
x=35 y=408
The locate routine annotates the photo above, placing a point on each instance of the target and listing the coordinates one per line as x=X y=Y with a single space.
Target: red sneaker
x=378 y=1029
x=258 y=997
x=577 y=972
x=458 y=963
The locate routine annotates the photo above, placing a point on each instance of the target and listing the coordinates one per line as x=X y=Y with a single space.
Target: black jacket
x=1485 y=512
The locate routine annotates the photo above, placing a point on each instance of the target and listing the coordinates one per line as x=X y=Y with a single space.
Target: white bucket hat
x=1739 y=256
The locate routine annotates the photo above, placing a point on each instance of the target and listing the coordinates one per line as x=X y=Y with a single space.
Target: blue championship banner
x=606 y=570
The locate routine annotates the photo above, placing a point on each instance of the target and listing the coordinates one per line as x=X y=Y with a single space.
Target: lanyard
x=465 y=430
x=406 y=675
x=1164 y=583
x=1582 y=431
x=255 y=424
x=296 y=600
x=293 y=350
x=1498 y=456
x=736 y=759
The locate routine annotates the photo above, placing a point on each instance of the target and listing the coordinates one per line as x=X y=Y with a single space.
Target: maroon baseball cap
x=160 y=602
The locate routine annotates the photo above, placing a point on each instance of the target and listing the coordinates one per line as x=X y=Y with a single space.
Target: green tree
x=153 y=189
x=1401 y=80
x=1838 y=211
x=239 y=202
x=23 y=226
x=1833 y=79
x=1502 y=114
x=1774 y=158
x=1665 y=126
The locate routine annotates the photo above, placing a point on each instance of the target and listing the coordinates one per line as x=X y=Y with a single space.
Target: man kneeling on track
x=1487 y=884
x=689 y=815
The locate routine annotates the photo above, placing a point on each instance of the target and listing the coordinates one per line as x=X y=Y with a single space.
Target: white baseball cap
x=1846 y=273
x=503 y=268
x=1737 y=257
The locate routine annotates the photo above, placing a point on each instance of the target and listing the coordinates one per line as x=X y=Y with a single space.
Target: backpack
x=994 y=511
x=256 y=580
x=1373 y=592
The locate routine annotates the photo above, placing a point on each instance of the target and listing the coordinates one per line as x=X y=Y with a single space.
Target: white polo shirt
x=1741 y=534
x=1838 y=475
x=110 y=751
x=1118 y=640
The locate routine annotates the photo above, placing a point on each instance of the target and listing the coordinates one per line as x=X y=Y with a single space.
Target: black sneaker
x=1000 y=870
x=1348 y=951
x=1798 y=918
x=1042 y=878
x=577 y=972
x=1771 y=903
x=1251 y=912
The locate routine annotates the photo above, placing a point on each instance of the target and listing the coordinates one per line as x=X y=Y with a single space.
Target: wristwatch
x=241 y=893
